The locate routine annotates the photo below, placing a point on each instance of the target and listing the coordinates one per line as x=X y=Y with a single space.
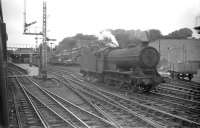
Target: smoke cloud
x=106 y=34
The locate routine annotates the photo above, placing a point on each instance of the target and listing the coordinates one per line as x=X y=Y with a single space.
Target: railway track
x=178 y=96
x=171 y=110
x=184 y=92
x=52 y=119
x=65 y=109
x=172 y=104
x=75 y=99
x=33 y=111
x=90 y=119
x=162 y=112
x=122 y=116
x=190 y=83
x=11 y=104
x=22 y=113
x=183 y=101
x=187 y=91
x=190 y=111
x=189 y=94
x=190 y=86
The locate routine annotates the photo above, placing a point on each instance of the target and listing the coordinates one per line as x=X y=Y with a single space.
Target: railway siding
x=81 y=104
x=183 y=121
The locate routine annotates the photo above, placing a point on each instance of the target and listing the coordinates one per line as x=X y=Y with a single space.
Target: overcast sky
x=68 y=17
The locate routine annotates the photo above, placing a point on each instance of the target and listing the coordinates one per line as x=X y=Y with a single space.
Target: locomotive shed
x=120 y=77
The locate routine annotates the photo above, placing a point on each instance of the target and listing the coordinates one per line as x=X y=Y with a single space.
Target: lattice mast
x=43 y=50
x=43 y=69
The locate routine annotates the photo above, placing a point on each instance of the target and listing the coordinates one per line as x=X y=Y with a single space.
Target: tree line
x=123 y=37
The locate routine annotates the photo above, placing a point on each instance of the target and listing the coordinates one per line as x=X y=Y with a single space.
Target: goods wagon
x=181 y=57
x=184 y=71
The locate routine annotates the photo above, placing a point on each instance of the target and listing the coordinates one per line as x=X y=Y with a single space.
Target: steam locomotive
x=133 y=67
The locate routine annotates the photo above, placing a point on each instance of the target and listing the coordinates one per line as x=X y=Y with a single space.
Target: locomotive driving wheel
x=141 y=87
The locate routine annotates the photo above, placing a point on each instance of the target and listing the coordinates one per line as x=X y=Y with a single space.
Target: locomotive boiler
x=146 y=57
x=133 y=67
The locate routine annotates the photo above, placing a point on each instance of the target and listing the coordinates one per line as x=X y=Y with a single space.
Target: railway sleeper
x=183 y=89
x=177 y=94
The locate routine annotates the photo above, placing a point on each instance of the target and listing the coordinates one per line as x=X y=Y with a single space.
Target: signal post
x=43 y=50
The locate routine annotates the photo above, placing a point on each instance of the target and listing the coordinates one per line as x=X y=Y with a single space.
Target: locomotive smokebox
x=146 y=57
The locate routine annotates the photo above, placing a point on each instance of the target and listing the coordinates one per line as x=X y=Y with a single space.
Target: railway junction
x=141 y=85
x=67 y=99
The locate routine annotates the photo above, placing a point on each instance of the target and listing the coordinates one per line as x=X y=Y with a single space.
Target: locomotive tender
x=132 y=67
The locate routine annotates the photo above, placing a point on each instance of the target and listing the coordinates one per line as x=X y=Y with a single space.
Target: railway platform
x=32 y=70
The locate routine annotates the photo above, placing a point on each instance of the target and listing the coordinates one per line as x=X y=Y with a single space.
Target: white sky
x=68 y=17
